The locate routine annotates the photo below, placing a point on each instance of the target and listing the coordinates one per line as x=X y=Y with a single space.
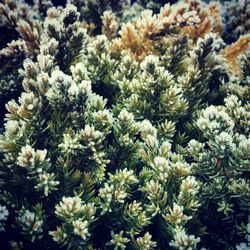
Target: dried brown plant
x=233 y=51
x=140 y=37
x=210 y=19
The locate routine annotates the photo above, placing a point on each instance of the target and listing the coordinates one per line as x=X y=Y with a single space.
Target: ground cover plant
x=125 y=125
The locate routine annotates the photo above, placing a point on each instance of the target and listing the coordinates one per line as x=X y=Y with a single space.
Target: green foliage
x=108 y=149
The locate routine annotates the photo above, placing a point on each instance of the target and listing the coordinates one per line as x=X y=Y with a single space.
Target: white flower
x=28 y=217
x=59 y=85
x=124 y=176
x=195 y=147
x=154 y=189
x=70 y=10
x=181 y=168
x=134 y=208
x=146 y=128
x=4 y=213
x=89 y=211
x=81 y=228
x=103 y=117
x=30 y=104
x=47 y=183
x=125 y=140
x=79 y=72
x=118 y=240
x=182 y=241
x=69 y=207
x=49 y=48
x=120 y=195
x=176 y=215
x=110 y=24
x=125 y=116
x=189 y=185
x=54 y=23
x=73 y=91
x=223 y=142
x=151 y=141
x=161 y=166
x=165 y=148
x=243 y=246
x=14 y=129
x=148 y=61
x=30 y=223
x=145 y=242
x=29 y=157
x=58 y=235
x=107 y=192
x=244 y=145
x=232 y=102
x=89 y=134
x=70 y=144
x=214 y=120
x=85 y=86
x=78 y=90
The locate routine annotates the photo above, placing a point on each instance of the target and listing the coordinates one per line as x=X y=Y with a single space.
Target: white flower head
x=79 y=72
x=161 y=166
x=183 y=241
x=69 y=207
x=145 y=242
x=189 y=185
x=107 y=192
x=47 y=183
x=76 y=91
x=243 y=246
x=146 y=128
x=118 y=240
x=70 y=144
x=59 y=84
x=214 y=120
x=176 y=216
x=165 y=148
x=58 y=234
x=29 y=157
x=4 y=213
x=30 y=223
x=195 y=147
x=126 y=116
x=81 y=228
x=149 y=62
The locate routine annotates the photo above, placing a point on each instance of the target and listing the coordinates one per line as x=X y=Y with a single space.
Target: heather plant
x=221 y=160
x=93 y=170
x=236 y=19
x=135 y=138
x=20 y=29
x=161 y=81
x=169 y=89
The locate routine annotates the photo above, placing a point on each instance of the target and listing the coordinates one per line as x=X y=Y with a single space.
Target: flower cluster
x=222 y=159
x=244 y=245
x=76 y=218
x=31 y=223
x=4 y=215
x=236 y=14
